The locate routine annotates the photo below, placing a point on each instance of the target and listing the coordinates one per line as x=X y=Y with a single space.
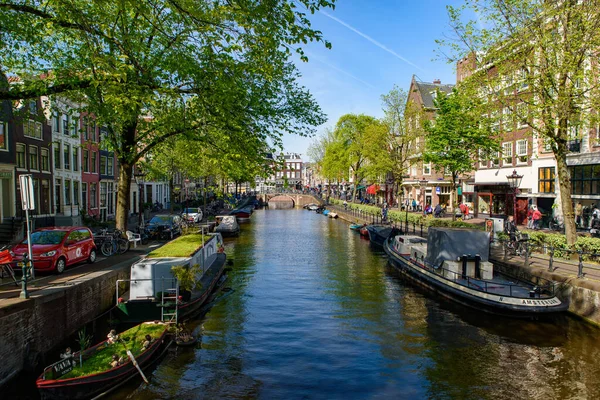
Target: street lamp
x=139 y=179
x=514 y=181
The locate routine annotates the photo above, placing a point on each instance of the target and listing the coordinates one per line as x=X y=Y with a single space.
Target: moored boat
x=357 y=227
x=67 y=379
x=332 y=215
x=326 y=212
x=155 y=293
x=379 y=233
x=228 y=225
x=243 y=212
x=364 y=232
x=454 y=263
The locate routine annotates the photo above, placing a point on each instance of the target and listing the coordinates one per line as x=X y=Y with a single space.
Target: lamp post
x=139 y=179
x=514 y=181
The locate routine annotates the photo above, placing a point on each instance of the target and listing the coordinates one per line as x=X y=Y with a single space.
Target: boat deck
x=500 y=286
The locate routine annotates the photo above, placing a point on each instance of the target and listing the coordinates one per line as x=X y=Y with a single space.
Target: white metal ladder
x=169 y=295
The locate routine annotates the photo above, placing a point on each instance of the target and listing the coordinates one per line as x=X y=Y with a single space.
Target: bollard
x=580 y=274
x=414 y=228
x=505 y=251
x=526 y=262
x=421 y=230
x=551 y=261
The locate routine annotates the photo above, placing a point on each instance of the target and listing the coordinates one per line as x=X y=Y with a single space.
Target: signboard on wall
x=438 y=190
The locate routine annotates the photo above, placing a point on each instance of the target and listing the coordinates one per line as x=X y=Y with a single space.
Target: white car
x=192 y=215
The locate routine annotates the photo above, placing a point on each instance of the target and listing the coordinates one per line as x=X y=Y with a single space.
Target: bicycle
x=113 y=243
x=556 y=225
x=518 y=246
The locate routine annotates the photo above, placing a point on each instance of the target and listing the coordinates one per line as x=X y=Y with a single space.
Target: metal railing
x=540 y=253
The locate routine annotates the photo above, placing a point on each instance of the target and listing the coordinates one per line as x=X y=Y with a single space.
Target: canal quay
x=315 y=312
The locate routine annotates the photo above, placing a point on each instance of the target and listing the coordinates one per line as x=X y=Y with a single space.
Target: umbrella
x=372 y=189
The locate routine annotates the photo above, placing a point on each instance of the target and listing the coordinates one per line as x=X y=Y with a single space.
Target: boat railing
x=539 y=289
x=173 y=281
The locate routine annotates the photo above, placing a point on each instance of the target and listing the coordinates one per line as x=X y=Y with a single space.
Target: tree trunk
x=125 y=172
x=171 y=193
x=355 y=180
x=564 y=180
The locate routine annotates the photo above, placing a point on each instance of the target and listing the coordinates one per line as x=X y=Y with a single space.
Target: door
x=5 y=197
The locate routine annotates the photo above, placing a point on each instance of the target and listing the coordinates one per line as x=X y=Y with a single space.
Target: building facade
x=7 y=160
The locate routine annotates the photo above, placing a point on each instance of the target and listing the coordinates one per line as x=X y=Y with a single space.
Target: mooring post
x=580 y=274
x=551 y=261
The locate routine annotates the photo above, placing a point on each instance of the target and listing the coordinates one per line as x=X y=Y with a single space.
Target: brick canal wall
x=31 y=328
x=582 y=295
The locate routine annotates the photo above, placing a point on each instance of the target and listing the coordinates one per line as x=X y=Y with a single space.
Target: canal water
x=316 y=313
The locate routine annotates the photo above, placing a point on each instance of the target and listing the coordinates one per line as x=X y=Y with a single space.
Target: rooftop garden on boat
x=98 y=359
x=183 y=246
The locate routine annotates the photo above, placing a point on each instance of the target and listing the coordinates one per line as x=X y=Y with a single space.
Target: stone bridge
x=288 y=200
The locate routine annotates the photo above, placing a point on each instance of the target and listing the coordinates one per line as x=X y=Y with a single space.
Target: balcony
x=574 y=146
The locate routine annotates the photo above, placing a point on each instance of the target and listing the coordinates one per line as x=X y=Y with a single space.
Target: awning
x=360 y=187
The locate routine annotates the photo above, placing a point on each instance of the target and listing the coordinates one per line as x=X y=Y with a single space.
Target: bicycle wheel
x=553 y=226
x=122 y=246
x=107 y=248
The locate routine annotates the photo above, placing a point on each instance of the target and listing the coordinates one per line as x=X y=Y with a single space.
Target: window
x=585 y=179
x=522 y=115
x=103 y=192
x=56 y=155
x=85 y=166
x=3 y=135
x=75 y=158
x=507 y=153
x=74 y=123
x=111 y=165
x=522 y=151
x=103 y=165
x=524 y=76
x=496 y=160
x=21 y=156
x=495 y=123
x=67 y=192
x=94 y=166
x=546 y=179
x=93 y=132
x=86 y=131
x=84 y=196
x=32 y=106
x=76 y=193
x=55 y=122
x=93 y=195
x=45 y=160
x=427 y=169
x=67 y=154
x=32 y=129
x=507 y=119
x=65 y=121
x=33 y=158
x=483 y=162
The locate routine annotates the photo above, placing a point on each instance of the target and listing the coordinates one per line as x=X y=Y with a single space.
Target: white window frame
x=521 y=154
x=483 y=163
x=24 y=148
x=523 y=75
x=494 y=159
x=37 y=156
x=507 y=123
x=427 y=166
x=47 y=151
x=507 y=153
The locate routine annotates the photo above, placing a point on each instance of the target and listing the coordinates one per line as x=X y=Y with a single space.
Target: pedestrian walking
x=537 y=218
x=530 y=217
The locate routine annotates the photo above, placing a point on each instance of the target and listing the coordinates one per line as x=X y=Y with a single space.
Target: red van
x=57 y=248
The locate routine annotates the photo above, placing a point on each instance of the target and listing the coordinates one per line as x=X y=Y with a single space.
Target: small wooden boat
x=454 y=263
x=332 y=215
x=357 y=227
x=67 y=380
x=364 y=232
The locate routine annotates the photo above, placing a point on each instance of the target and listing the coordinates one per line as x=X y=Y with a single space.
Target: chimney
x=437 y=82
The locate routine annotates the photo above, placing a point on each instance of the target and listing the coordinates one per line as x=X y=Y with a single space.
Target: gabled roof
x=426 y=89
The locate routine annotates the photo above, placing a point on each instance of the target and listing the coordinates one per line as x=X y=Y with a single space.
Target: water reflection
x=317 y=314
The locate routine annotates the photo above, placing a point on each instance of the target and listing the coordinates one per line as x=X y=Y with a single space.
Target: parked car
x=163 y=226
x=192 y=215
x=56 y=248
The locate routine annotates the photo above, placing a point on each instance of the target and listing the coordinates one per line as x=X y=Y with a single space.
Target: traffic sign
x=27 y=198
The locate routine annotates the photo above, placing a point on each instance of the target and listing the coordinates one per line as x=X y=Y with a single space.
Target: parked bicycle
x=111 y=243
x=556 y=225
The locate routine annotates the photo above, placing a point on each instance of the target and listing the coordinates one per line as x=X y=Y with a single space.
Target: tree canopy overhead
x=151 y=70
x=537 y=60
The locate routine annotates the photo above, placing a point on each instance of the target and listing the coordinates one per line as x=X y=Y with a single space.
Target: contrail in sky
x=339 y=70
x=370 y=39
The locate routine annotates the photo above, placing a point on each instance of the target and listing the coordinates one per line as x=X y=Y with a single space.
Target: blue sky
x=352 y=76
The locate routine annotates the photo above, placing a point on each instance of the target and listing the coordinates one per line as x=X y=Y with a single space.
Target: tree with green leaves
x=457 y=136
x=154 y=70
x=537 y=60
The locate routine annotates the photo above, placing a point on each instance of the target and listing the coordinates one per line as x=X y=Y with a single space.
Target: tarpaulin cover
x=451 y=243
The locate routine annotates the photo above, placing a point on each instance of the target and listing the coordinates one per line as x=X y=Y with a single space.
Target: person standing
x=537 y=217
x=530 y=217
